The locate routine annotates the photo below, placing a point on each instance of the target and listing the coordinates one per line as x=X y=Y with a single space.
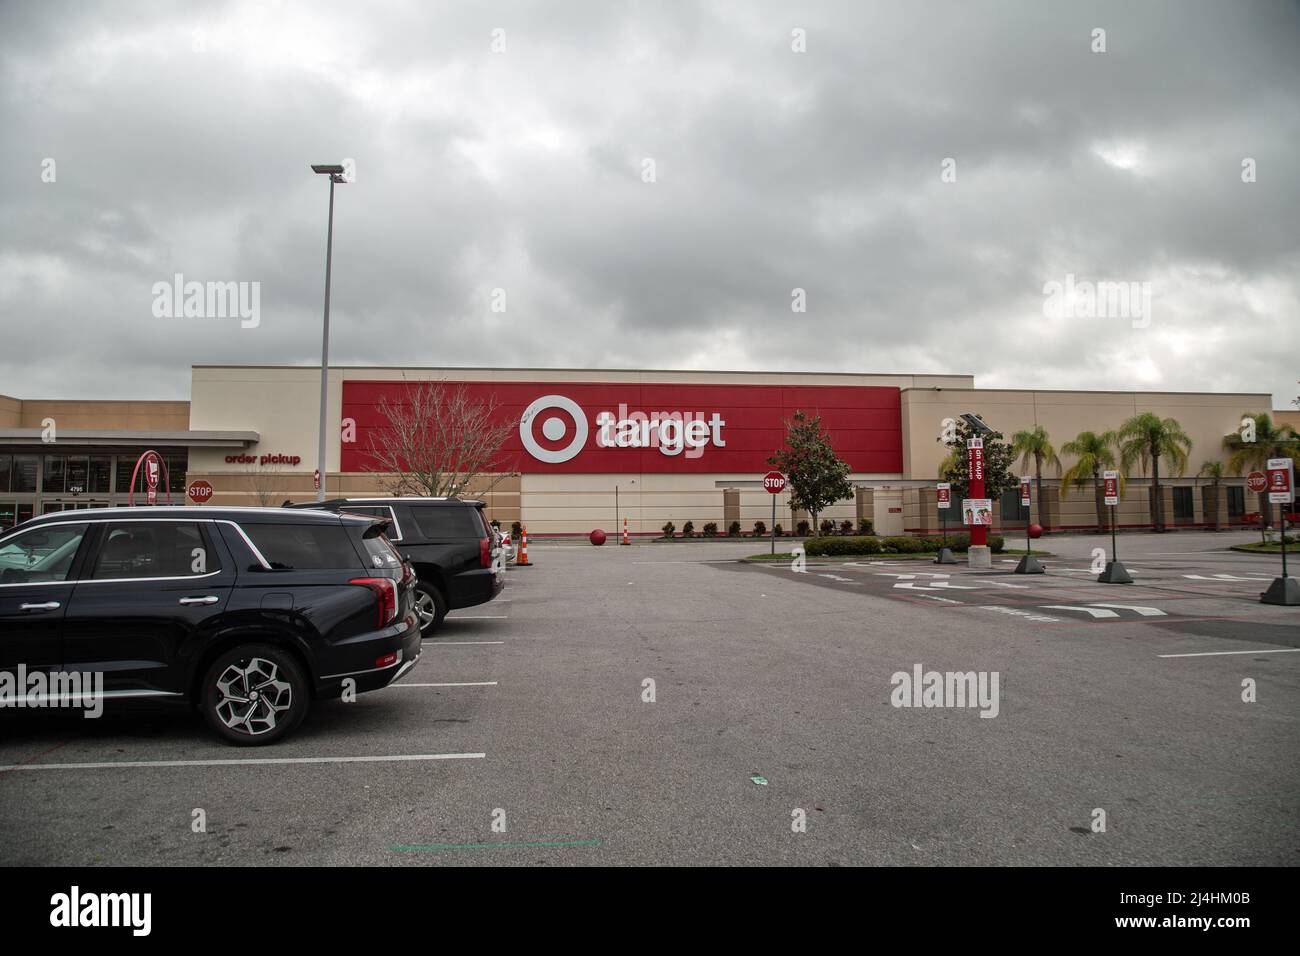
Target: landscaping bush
x=669 y=528
x=865 y=526
x=688 y=529
x=516 y=529
x=711 y=529
x=760 y=529
x=733 y=529
x=846 y=526
x=802 y=529
x=902 y=544
x=777 y=530
x=841 y=546
x=827 y=526
x=996 y=542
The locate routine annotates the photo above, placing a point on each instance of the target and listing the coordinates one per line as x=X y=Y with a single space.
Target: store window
x=23 y=476
x=55 y=475
x=6 y=467
x=100 y=475
x=1236 y=502
x=1183 y=509
x=8 y=514
x=1012 y=509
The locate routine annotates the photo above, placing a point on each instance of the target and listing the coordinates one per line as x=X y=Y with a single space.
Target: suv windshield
x=449 y=521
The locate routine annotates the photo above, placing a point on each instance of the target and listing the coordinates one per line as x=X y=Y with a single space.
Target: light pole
x=335 y=173
x=617 y=513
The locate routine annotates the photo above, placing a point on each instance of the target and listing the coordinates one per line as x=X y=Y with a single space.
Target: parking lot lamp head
x=335 y=172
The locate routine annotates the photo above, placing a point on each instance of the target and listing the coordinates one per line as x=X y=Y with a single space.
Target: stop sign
x=1257 y=481
x=774 y=482
x=199 y=491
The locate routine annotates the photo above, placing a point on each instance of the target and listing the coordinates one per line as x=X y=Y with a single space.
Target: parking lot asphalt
x=771 y=696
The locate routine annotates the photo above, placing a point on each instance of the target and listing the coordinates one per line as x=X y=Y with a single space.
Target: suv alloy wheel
x=254 y=694
x=430 y=606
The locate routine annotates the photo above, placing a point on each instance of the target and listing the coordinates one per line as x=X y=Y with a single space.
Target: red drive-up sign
x=945 y=494
x=1110 y=487
x=151 y=472
x=1024 y=491
x=975 y=448
x=1281 y=481
x=774 y=482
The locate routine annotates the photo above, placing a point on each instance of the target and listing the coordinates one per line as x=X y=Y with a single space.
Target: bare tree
x=269 y=486
x=437 y=441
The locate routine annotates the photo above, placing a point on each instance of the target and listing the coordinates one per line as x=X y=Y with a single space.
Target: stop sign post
x=774 y=483
x=199 y=492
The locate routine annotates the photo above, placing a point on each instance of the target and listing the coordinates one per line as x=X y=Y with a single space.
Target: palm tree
x=1093 y=454
x=1034 y=443
x=1271 y=441
x=1147 y=438
x=1214 y=471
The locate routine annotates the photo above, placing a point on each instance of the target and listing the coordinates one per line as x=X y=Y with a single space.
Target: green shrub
x=846 y=526
x=711 y=529
x=903 y=544
x=760 y=529
x=778 y=530
x=669 y=528
x=841 y=546
x=826 y=526
x=802 y=529
x=733 y=529
x=865 y=526
x=688 y=529
x=997 y=542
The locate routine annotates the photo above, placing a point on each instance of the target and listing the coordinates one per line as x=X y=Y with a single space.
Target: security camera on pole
x=1281 y=491
x=1115 y=572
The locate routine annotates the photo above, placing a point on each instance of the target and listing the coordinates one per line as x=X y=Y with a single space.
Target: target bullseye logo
x=554 y=428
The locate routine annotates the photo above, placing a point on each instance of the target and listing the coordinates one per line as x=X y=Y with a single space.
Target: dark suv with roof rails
x=245 y=613
x=456 y=554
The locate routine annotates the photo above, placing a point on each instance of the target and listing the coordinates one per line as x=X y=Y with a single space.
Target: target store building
x=588 y=448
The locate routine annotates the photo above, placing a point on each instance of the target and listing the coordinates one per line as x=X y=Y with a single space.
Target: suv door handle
x=206 y=599
x=47 y=606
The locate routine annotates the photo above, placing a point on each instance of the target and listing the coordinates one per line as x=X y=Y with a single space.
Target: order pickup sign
x=774 y=482
x=199 y=491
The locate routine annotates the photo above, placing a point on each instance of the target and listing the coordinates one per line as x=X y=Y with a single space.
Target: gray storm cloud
x=181 y=137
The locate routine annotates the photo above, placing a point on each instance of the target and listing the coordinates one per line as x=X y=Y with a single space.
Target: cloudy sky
x=648 y=183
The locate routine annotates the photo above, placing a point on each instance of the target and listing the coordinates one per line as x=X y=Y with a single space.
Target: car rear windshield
x=449 y=521
x=304 y=547
x=379 y=550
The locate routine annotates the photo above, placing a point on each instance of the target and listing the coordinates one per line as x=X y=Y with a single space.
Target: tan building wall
x=76 y=413
x=1206 y=418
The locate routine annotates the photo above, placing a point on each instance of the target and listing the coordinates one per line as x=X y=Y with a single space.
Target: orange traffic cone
x=625 y=541
x=523 y=561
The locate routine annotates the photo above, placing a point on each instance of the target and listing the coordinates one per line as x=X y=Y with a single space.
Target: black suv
x=456 y=554
x=246 y=613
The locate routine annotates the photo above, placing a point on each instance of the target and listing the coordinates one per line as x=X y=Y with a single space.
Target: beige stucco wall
x=77 y=413
x=1205 y=417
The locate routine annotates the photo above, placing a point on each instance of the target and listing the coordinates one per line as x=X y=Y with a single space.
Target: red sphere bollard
x=1035 y=531
x=597 y=537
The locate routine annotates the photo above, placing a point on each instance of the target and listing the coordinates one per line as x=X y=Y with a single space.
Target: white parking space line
x=470 y=683
x=1269 y=650
x=478 y=617
x=234 y=762
x=457 y=643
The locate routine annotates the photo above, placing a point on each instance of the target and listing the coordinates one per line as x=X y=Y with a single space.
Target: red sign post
x=1281 y=491
x=154 y=468
x=979 y=534
x=774 y=483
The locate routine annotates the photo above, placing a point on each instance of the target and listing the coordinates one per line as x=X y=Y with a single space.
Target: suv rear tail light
x=386 y=590
x=485 y=552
